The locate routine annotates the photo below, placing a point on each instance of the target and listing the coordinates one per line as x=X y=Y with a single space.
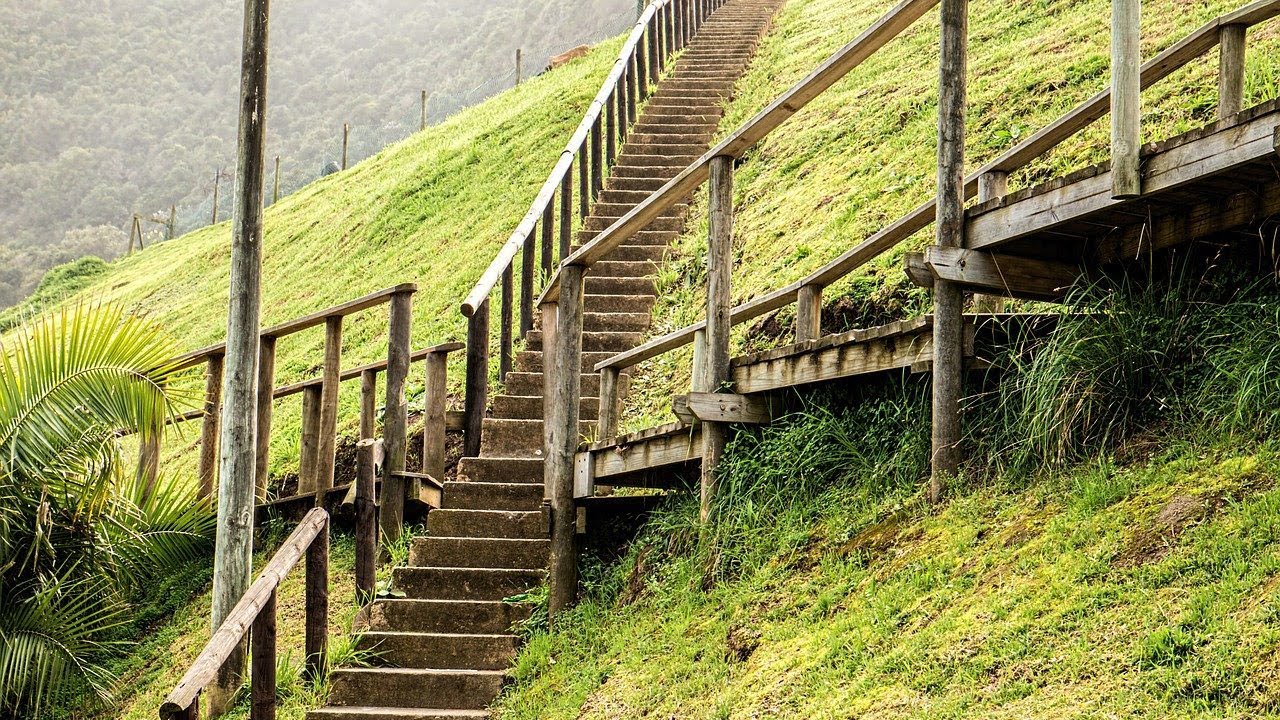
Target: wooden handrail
x=181 y=702
x=493 y=274
x=1157 y=68
x=296 y=325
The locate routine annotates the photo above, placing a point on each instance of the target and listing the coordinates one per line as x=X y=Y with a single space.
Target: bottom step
x=388 y=713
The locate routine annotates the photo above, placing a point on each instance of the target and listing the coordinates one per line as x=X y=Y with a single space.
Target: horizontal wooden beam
x=999 y=274
x=660 y=447
x=1215 y=150
x=724 y=407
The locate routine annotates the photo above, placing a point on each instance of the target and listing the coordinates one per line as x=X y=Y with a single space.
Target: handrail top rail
x=290 y=327
x=228 y=635
x=492 y=274
x=1163 y=64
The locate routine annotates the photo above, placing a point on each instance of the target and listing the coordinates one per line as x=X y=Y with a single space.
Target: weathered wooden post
x=597 y=158
x=1126 y=98
x=208 y=467
x=233 y=550
x=395 y=419
x=584 y=178
x=528 y=260
x=217 y=180
x=548 y=224
x=641 y=57
x=948 y=318
x=149 y=458
x=504 y=326
x=317 y=604
x=699 y=381
x=809 y=313
x=366 y=508
x=566 y=213
x=433 y=429
x=719 y=304
x=262 y=684
x=309 y=441
x=275 y=189
x=607 y=424
x=1231 y=44
x=266 y=402
x=519 y=66
x=477 y=380
x=611 y=132
x=654 y=43
x=991 y=185
x=562 y=437
x=423 y=124
x=173 y=221
x=332 y=381
x=346 y=139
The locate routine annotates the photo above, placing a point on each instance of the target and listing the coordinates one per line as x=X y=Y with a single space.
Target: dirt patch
x=1152 y=544
x=741 y=642
x=634 y=589
x=877 y=540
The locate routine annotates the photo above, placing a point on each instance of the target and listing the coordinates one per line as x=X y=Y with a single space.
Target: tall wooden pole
x=423 y=124
x=207 y=469
x=395 y=419
x=948 y=318
x=1231 y=43
x=233 y=552
x=346 y=140
x=519 y=66
x=275 y=190
x=173 y=220
x=561 y=437
x=217 y=181
x=719 y=303
x=366 y=508
x=1126 y=97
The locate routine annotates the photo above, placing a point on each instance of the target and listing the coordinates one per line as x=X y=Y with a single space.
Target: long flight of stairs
x=443 y=651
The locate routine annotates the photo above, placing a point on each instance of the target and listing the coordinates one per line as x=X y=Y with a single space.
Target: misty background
x=115 y=107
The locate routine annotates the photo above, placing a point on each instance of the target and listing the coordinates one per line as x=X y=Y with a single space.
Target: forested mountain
x=115 y=107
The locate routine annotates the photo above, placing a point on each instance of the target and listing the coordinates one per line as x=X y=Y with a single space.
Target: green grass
x=863 y=154
x=433 y=209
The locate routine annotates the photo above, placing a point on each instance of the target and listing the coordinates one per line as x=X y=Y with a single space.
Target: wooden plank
x=584 y=483
x=1222 y=149
x=309 y=442
x=1126 y=98
x=433 y=432
x=265 y=405
x=1231 y=48
x=607 y=418
x=207 y=470
x=1006 y=275
x=808 y=313
x=860 y=358
x=356 y=372
x=672 y=448
x=730 y=408
x=326 y=452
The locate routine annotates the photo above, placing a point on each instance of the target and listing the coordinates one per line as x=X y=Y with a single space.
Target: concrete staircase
x=443 y=651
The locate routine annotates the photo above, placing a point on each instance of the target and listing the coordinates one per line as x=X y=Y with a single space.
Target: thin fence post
x=991 y=185
x=562 y=437
x=423 y=124
x=1231 y=45
x=395 y=419
x=317 y=604
x=346 y=138
x=217 y=180
x=209 y=429
x=309 y=441
x=331 y=383
x=597 y=160
x=504 y=328
x=566 y=213
x=527 y=259
x=173 y=221
x=433 y=430
x=477 y=381
x=275 y=186
x=1126 y=98
x=607 y=417
x=611 y=132
x=948 y=319
x=548 y=225
x=719 y=304
x=366 y=508
x=519 y=66
x=651 y=43
x=584 y=178
x=262 y=681
x=266 y=402
x=641 y=57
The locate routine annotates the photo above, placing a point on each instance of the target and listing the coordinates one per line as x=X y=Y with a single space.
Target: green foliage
x=78 y=532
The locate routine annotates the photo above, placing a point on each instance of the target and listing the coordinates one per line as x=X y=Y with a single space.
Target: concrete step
x=613 y=211
x=530 y=407
x=618 y=286
x=661 y=137
x=635 y=253
x=430 y=583
x=646 y=171
x=596 y=223
x=531 y=383
x=441 y=616
x=708 y=113
x=513 y=553
x=414 y=687
x=644 y=185
x=614 y=341
x=507 y=437
x=651 y=236
x=623 y=268
x=511 y=524
x=516 y=496
x=637 y=146
x=640 y=302
x=531 y=361
x=439 y=651
x=617 y=321
x=697 y=85
x=394 y=713
x=500 y=470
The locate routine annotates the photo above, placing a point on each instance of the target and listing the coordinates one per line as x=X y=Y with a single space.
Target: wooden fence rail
x=255 y=616
x=662 y=29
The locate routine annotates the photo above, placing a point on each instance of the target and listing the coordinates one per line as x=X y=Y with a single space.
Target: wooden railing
x=664 y=28
x=987 y=182
x=561 y=300
x=255 y=616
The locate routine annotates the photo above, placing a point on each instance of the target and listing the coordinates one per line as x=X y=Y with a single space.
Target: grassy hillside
x=863 y=154
x=432 y=210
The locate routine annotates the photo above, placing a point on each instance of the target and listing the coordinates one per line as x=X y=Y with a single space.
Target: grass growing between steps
x=432 y=209
x=1091 y=564
x=863 y=154
x=166 y=648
